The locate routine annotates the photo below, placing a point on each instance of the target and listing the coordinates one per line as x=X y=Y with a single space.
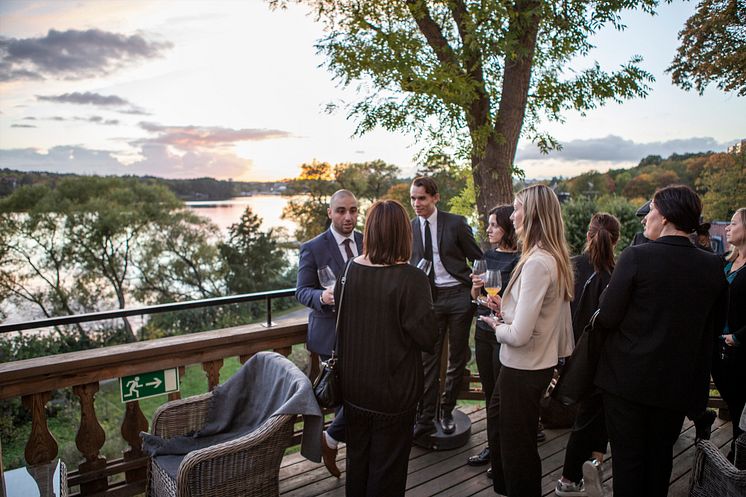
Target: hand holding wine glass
x=327 y=280
x=492 y=285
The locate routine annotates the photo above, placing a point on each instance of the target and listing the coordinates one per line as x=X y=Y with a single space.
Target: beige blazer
x=538 y=324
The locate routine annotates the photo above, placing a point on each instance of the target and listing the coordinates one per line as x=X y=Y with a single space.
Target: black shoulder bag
x=326 y=386
x=576 y=380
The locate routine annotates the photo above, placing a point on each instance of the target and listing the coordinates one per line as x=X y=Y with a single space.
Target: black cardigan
x=664 y=306
x=737 y=312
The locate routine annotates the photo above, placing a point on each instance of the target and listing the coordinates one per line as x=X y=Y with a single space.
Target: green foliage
x=577 y=214
x=472 y=75
x=713 y=48
x=367 y=180
x=317 y=181
x=254 y=259
x=314 y=185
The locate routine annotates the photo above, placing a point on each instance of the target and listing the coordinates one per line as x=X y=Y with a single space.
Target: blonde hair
x=733 y=254
x=544 y=228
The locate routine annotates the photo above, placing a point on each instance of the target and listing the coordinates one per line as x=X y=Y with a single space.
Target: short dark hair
x=387 y=237
x=680 y=206
x=431 y=187
x=502 y=215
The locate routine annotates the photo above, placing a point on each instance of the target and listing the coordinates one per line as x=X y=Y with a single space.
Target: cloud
x=616 y=149
x=73 y=54
x=22 y=126
x=86 y=98
x=205 y=137
x=96 y=99
x=156 y=160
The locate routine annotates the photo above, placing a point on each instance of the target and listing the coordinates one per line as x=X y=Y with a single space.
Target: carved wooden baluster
x=212 y=368
x=284 y=350
x=177 y=395
x=90 y=439
x=134 y=422
x=244 y=358
x=41 y=447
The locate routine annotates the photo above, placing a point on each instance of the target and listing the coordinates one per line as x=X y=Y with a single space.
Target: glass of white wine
x=327 y=278
x=492 y=284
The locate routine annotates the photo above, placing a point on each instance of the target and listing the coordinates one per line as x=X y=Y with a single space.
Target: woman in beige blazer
x=535 y=330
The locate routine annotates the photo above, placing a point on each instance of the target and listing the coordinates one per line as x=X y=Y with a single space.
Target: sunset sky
x=232 y=89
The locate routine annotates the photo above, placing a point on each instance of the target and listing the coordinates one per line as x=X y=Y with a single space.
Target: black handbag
x=575 y=381
x=326 y=387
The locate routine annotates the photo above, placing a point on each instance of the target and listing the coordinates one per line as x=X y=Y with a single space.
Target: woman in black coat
x=664 y=305
x=729 y=366
x=386 y=322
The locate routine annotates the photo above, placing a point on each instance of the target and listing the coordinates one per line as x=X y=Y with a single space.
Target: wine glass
x=478 y=269
x=425 y=265
x=327 y=278
x=492 y=284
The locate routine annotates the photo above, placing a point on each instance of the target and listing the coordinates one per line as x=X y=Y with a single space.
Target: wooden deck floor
x=445 y=473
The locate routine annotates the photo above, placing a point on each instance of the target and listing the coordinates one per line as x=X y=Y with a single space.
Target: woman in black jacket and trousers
x=729 y=366
x=662 y=310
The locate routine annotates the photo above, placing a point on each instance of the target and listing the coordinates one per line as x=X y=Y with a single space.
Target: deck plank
x=446 y=474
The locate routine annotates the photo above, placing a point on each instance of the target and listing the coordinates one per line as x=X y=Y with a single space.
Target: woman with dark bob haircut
x=662 y=310
x=385 y=323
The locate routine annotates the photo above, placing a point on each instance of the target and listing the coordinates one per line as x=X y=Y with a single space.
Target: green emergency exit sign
x=144 y=385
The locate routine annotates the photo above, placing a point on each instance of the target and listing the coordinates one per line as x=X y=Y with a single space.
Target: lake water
x=226 y=212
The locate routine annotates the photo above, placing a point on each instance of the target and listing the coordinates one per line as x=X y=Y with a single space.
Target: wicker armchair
x=714 y=475
x=246 y=466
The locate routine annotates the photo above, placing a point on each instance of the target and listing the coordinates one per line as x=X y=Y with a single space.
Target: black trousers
x=642 y=439
x=377 y=453
x=514 y=407
x=588 y=435
x=454 y=312
x=487 y=354
x=729 y=373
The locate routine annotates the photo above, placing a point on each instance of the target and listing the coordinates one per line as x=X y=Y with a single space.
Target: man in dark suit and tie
x=447 y=241
x=333 y=248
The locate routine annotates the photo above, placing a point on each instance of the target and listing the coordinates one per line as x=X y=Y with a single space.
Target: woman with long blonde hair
x=535 y=330
x=729 y=365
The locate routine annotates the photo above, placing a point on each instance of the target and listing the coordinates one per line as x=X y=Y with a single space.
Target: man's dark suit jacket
x=314 y=254
x=663 y=308
x=455 y=244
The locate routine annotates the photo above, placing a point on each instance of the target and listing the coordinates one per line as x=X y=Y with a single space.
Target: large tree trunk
x=492 y=169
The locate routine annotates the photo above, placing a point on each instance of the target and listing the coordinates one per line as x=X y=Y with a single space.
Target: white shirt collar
x=340 y=238
x=432 y=218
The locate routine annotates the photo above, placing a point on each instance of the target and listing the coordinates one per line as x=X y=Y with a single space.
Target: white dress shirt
x=340 y=243
x=443 y=278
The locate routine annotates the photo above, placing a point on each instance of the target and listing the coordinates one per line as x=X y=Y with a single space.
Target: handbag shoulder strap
x=343 y=281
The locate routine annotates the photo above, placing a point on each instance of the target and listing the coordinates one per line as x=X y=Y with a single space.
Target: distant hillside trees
x=723 y=182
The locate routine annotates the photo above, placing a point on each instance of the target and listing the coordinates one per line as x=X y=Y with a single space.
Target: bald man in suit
x=333 y=248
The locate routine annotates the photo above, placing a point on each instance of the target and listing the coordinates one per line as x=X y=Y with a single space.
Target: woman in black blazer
x=729 y=365
x=664 y=305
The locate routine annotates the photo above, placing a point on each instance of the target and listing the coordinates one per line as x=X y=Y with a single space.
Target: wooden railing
x=34 y=380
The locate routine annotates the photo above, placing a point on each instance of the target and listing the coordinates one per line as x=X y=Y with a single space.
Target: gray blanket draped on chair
x=267 y=385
